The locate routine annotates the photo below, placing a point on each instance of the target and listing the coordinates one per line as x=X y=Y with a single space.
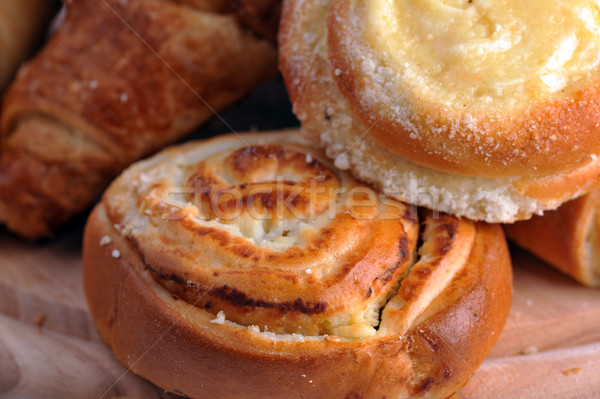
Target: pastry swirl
x=403 y=97
x=282 y=264
x=481 y=88
x=329 y=268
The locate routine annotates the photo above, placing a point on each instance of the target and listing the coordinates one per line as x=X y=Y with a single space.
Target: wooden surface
x=50 y=349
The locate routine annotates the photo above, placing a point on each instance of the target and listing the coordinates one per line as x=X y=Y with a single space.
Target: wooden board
x=49 y=347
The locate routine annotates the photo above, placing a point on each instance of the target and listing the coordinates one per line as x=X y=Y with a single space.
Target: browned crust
x=475 y=307
x=552 y=136
x=36 y=196
x=561 y=237
x=109 y=96
x=177 y=348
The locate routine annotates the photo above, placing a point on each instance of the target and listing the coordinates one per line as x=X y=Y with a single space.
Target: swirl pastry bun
x=484 y=109
x=568 y=238
x=248 y=266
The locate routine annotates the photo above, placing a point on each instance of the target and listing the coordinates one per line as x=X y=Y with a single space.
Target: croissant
x=22 y=24
x=116 y=82
x=483 y=109
x=249 y=266
x=567 y=238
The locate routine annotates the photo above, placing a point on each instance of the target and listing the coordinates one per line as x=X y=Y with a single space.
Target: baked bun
x=248 y=266
x=568 y=238
x=484 y=110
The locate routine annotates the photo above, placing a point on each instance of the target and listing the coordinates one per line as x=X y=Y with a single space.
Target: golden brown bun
x=22 y=24
x=567 y=238
x=322 y=297
x=497 y=168
x=468 y=127
x=104 y=93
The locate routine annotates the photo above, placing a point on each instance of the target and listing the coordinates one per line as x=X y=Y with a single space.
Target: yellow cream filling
x=482 y=52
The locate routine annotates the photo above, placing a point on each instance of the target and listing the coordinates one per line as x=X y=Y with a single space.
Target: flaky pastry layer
x=117 y=81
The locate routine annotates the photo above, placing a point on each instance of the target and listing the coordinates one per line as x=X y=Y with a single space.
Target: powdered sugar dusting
x=347 y=142
x=436 y=98
x=220 y=319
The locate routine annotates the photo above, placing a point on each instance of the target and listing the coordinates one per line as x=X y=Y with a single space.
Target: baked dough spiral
x=257 y=269
x=490 y=107
x=487 y=88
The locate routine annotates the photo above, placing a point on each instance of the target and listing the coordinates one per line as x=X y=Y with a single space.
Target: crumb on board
x=40 y=320
x=570 y=371
x=116 y=254
x=105 y=241
x=529 y=302
x=529 y=350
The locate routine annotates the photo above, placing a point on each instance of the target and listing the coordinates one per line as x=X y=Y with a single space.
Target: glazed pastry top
x=273 y=236
x=481 y=53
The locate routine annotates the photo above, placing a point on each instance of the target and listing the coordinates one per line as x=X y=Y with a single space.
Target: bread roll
x=116 y=82
x=483 y=109
x=22 y=24
x=251 y=267
x=567 y=238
